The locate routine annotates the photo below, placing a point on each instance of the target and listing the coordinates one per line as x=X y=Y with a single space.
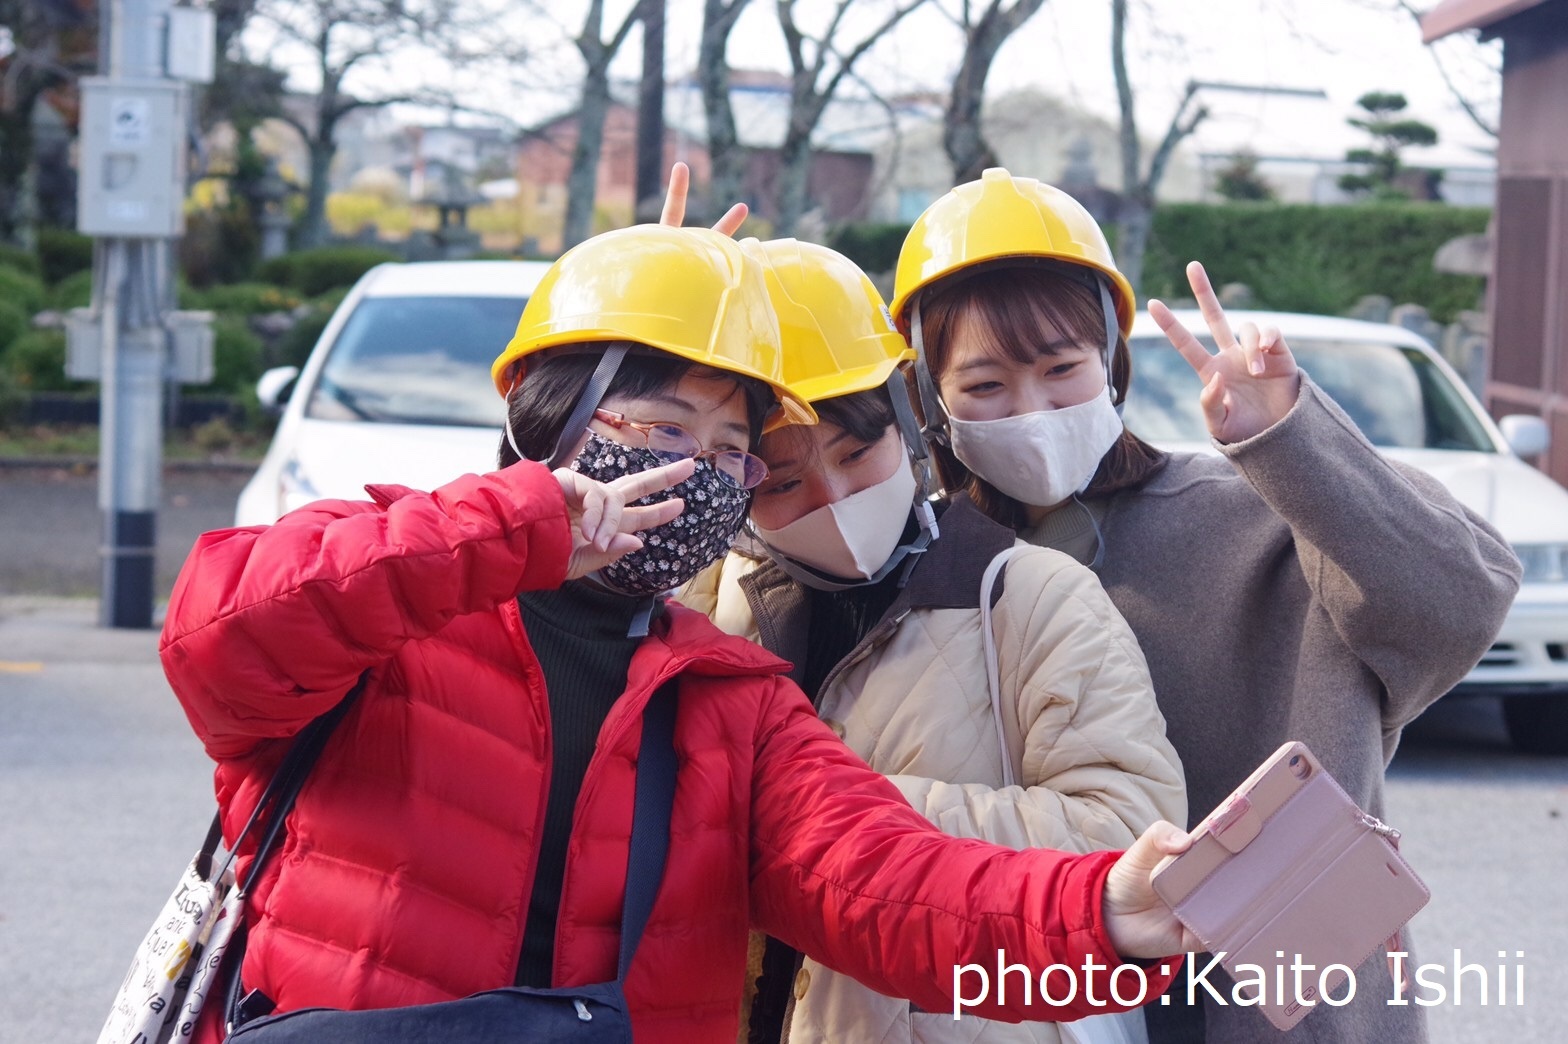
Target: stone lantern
x=452 y=198
x=270 y=192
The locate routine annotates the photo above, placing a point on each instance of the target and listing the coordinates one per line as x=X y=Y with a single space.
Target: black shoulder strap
x=655 y=797
x=278 y=799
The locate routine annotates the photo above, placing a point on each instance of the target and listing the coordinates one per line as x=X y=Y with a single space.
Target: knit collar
x=588 y=610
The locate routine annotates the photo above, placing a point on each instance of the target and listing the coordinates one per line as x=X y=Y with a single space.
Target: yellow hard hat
x=691 y=292
x=838 y=336
x=1000 y=216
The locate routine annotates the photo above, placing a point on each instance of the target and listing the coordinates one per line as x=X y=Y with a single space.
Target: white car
x=1413 y=407
x=397 y=388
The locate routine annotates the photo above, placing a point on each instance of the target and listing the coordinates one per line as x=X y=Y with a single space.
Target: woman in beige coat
x=876 y=598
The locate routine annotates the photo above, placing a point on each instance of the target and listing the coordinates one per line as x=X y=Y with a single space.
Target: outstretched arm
x=845 y=871
x=1416 y=584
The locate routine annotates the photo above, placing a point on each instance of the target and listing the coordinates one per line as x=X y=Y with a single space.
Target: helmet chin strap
x=925 y=514
x=815 y=578
x=930 y=401
x=577 y=420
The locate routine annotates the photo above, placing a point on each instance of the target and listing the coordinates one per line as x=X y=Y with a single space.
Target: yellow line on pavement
x=15 y=667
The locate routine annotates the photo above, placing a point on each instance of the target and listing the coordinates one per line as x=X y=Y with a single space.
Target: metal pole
x=135 y=350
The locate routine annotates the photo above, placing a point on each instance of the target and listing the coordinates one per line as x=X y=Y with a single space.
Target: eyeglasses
x=671 y=442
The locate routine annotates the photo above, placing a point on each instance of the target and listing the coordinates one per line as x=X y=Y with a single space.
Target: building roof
x=1453 y=16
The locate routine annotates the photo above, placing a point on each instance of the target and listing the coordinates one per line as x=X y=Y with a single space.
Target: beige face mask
x=1040 y=458
x=854 y=537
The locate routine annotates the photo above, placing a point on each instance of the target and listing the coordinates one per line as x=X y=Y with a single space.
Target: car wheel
x=1537 y=725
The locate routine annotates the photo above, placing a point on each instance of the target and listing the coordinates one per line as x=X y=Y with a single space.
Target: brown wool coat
x=1299 y=586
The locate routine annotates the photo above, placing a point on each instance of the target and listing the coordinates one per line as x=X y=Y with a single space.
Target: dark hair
x=866 y=415
x=540 y=407
x=1008 y=306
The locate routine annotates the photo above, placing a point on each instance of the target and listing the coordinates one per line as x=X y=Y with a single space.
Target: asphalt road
x=105 y=794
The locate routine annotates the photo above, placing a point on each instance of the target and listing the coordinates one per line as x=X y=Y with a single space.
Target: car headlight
x=1543 y=563
x=294 y=488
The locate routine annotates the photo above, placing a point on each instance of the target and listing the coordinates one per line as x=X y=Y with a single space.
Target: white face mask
x=1040 y=458
x=854 y=537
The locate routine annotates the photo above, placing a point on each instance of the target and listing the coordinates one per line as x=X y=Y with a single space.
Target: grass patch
x=73 y=441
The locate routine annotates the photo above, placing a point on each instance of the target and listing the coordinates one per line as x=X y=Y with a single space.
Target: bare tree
x=47 y=44
x=815 y=79
x=342 y=36
x=1139 y=187
x=984 y=36
x=597 y=53
x=1471 y=108
x=650 y=109
x=713 y=72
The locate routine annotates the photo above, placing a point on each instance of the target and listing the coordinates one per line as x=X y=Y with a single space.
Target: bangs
x=1010 y=314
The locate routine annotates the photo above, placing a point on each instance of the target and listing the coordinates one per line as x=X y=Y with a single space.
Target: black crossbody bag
x=596 y=1013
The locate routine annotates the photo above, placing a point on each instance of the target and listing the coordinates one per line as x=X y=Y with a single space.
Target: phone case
x=1289 y=865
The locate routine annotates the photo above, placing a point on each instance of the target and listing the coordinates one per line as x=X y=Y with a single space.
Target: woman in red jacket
x=467 y=827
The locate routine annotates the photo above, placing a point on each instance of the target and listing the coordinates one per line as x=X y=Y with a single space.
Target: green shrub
x=313 y=272
x=1294 y=256
x=36 y=361
x=17 y=259
x=1372 y=248
x=293 y=348
x=1304 y=278
x=74 y=291
x=63 y=252
x=246 y=299
x=22 y=290
x=872 y=247
x=13 y=324
x=237 y=354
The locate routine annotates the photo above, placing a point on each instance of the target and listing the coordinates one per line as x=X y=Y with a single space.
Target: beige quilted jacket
x=1085 y=738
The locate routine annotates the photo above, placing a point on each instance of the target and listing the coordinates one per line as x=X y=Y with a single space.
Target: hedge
x=36 y=362
x=63 y=252
x=22 y=290
x=237 y=355
x=74 y=291
x=1296 y=257
x=1311 y=258
x=17 y=259
x=13 y=324
x=246 y=298
x=313 y=272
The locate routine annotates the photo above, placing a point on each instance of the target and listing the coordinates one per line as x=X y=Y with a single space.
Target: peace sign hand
x=603 y=527
x=675 y=204
x=1251 y=383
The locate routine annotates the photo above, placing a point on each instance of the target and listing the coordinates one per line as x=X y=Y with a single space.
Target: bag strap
x=992 y=670
x=278 y=799
x=655 y=797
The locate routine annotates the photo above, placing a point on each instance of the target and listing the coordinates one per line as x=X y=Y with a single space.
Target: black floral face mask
x=678 y=550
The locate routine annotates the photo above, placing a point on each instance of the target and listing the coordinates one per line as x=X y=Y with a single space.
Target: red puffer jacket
x=410 y=854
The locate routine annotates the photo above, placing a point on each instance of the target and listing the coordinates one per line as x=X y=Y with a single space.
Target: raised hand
x=1139 y=923
x=1250 y=383
x=675 y=204
x=603 y=527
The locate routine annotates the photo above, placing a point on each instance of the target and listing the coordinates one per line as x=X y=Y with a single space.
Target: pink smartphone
x=1294 y=884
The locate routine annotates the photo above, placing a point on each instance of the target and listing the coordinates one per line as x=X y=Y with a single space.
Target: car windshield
x=1396 y=396
x=417 y=360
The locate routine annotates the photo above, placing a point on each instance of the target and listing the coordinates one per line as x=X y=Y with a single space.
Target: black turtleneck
x=579 y=632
